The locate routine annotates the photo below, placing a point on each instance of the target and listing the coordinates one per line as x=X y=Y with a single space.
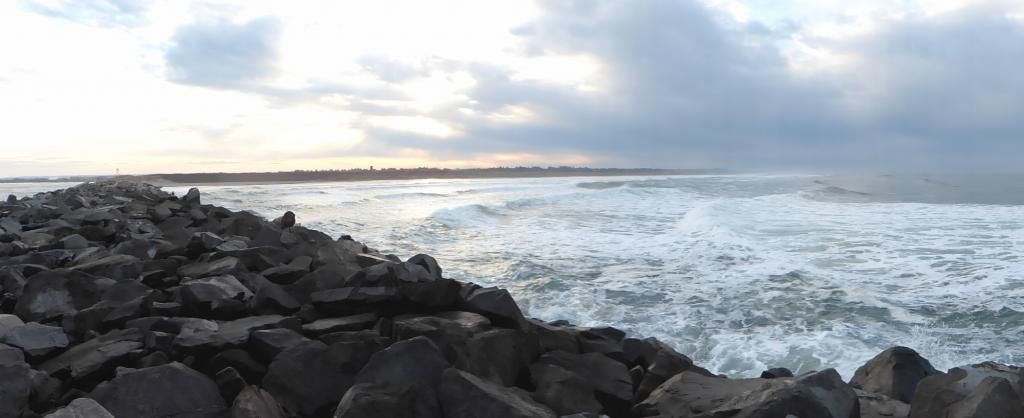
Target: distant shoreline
x=298 y=177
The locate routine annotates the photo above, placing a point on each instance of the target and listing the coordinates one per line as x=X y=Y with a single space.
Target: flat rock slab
x=170 y=390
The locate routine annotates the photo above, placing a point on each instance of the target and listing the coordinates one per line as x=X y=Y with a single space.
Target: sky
x=99 y=86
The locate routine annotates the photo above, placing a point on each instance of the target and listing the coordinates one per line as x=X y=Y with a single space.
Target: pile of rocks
x=119 y=299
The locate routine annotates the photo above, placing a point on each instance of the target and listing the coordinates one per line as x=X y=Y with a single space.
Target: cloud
x=221 y=53
x=106 y=13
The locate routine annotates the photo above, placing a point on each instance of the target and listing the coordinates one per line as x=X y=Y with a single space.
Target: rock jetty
x=120 y=300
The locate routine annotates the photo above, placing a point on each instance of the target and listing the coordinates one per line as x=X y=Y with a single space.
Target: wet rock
x=775 y=373
x=894 y=373
x=413 y=365
x=253 y=402
x=562 y=390
x=464 y=395
x=169 y=390
x=36 y=340
x=367 y=400
x=81 y=408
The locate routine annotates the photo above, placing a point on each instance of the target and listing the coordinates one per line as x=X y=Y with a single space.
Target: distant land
x=363 y=174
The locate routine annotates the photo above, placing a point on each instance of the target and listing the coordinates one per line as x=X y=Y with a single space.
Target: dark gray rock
x=943 y=394
x=496 y=304
x=500 y=355
x=873 y=405
x=994 y=397
x=117 y=267
x=238 y=360
x=8 y=322
x=54 y=293
x=308 y=379
x=10 y=354
x=217 y=297
x=192 y=197
x=613 y=386
x=230 y=383
x=74 y=242
x=464 y=395
x=36 y=340
x=412 y=365
x=81 y=408
x=894 y=372
x=286 y=274
x=367 y=400
x=15 y=388
x=170 y=390
x=253 y=402
x=220 y=266
x=428 y=263
x=229 y=334
x=553 y=337
x=562 y=390
x=776 y=372
x=267 y=344
x=203 y=242
x=95 y=360
x=273 y=299
x=821 y=395
x=348 y=323
x=665 y=364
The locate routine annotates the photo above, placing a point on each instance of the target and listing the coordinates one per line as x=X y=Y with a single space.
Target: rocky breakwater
x=119 y=299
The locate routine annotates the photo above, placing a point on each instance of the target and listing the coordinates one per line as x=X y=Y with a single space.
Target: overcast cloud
x=789 y=85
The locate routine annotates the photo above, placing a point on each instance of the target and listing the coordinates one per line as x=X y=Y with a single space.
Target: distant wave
x=601 y=185
x=394 y=196
x=468 y=216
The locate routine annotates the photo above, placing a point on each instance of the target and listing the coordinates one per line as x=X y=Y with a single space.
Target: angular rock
x=464 y=395
x=230 y=383
x=74 y=242
x=553 y=337
x=496 y=304
x=95 y=359
x=36 y=340
x=219 y=297
x=307 y=379
x=238 y=360
x=367 y=400
x=8 y=322
x=229 y=334
x=253 y=402
x=15 y=388
x=894 y=372
x=563 y=391
x=958 y=391
x=11 y=355
x=273 y=299
x=873 y=405
x=776 y=372
x=613 y=386
x=992 y=398
x=221 y=266
x=347 y=323
x=665 y=364
x=267 y=344
x=170 y=390
x=412 y=365
x=54 y=293
x=81 y=408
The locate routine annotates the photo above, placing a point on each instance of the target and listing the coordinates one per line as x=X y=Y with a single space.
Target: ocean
x=740 y=272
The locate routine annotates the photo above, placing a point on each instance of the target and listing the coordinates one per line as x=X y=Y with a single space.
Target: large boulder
x=253 y=402
x=219 y=297
x=95 y=360
x=36 y=340
x=367 y=400
x=562 y=390
x=267 y=344
x=961 y=393
x=414 y=365
x=15 y=388
x=464 y=395
x=81 y=408
x=52 y=294
x=873 y=405
x=170 y=390
x=820 y=395
x=308 y=379
x=663 y=365
x=613 y=386
x=894 y=372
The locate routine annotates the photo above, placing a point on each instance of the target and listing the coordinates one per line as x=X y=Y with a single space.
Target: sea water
x=740 y=272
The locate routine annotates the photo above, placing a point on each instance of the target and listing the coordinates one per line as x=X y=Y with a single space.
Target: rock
x=367 y=400
x=563 y=391
x=230 y=383
x=267 y=344
x=308 y=379
x=992 y=398
x=81 y=408
x=428 y=263
x=665 y=364
x=229 y=334
x=414 y=365
x=286 y=274
x=348 y=323
x=191 y=198
x=8 y=322
x=958 y=391
x=273 y=299
x=241 y=362
x=74 y=242
x=894 y=372
x=500 y=355
x=464 y=395
x=821 y=395
x=220 y=266
x=354 y=300
x=873 y=405
x=15 y=388
x=776 y=372
x=553 y=337
x=203 y=242
x=10 y=354
x=219 y=297
x=54 y=293
x=117 y=267
x=95 y=360
x=36 y=340
x=288 y=219
x=170 y=390
x=253 y=402
x=613 y=386
x=496 y=304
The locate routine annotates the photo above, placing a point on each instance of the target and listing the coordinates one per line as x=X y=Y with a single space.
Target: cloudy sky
x=91 y=86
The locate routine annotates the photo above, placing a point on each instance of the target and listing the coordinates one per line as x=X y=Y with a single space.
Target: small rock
x=775 y=373
x=348 y=323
